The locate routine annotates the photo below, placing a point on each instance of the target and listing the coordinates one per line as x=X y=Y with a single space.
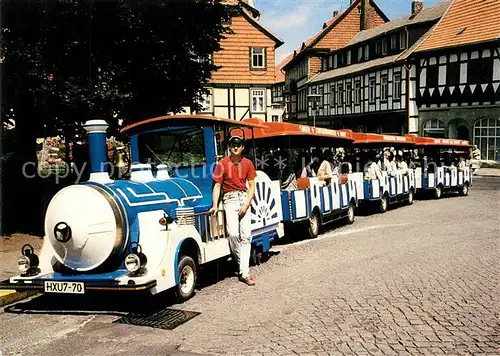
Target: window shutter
x=250 y=58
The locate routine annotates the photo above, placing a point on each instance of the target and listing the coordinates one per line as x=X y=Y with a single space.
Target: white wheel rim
x=187 y=279
x=465 y=189
x=313 y=223
x=351 y=213
x=411 y=196
x=384 y=203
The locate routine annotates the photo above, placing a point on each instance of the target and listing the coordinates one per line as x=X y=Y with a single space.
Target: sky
x=296 y=20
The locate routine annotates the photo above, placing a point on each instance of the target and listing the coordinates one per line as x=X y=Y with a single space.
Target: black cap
x=236 y=140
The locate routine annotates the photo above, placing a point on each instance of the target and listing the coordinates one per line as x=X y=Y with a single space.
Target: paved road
x=416 y=280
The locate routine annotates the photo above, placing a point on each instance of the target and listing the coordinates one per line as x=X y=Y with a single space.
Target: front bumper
x=38 y=285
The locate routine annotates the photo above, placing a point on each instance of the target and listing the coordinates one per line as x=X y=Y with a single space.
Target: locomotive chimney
x=96 y=130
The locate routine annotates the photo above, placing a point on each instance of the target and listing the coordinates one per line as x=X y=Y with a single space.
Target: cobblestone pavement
x=420 y=279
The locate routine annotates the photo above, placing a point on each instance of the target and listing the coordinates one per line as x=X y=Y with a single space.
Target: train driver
x=231 y=174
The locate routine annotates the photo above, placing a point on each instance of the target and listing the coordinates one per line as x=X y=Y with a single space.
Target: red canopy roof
x=381 y=139
x=441 y=142
x=182 y=120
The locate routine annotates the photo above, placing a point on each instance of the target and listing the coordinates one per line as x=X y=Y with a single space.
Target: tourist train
x=152 y=231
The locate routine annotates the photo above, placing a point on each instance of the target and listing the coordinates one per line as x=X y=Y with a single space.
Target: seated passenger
x=308 y=170
x=461 y=163
x=372 y=170
x=325 y=171
x=401 y=166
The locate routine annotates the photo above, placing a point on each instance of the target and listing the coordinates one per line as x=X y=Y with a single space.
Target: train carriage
x=312 y=201
x=150 y=232
x=392 y=187
x=438 y=174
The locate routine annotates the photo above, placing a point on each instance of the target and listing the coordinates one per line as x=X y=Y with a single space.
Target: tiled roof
x=278 y=74
x=339 y=72
x=432 y=13
x=466 y=22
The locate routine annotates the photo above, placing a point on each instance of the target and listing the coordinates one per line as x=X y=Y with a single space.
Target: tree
x=67 y=61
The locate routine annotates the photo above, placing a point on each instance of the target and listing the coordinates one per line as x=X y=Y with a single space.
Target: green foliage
x=74 y=60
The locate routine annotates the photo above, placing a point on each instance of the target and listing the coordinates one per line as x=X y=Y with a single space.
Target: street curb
x=11 y=296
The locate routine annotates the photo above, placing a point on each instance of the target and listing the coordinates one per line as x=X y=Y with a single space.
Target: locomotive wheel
x=187 y=278
x=438 y=192
x=465 y=190
x=350 y=214
x=314 y=224
x=384 y=202
x=410 y=197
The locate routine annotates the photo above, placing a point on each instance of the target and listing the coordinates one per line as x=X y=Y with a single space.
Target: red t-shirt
x=234 y=176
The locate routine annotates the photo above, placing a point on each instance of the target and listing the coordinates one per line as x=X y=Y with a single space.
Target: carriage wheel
x=410 y=197
x=350 y=214
x=314 y=223
x=187 y=278
x=465 y=189
x=438 y=192
x=384 y=202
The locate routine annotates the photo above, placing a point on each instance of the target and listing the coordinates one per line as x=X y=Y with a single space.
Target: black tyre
x=438 y=192
x=465 y=190
x=187 y=278
x=410 y=197
x=314 y=224
x=384 y=203
x=350 y=214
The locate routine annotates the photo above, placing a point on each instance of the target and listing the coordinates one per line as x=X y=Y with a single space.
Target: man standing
x=232 y=173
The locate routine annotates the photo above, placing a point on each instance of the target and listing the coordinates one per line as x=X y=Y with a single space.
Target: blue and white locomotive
x=152 y=231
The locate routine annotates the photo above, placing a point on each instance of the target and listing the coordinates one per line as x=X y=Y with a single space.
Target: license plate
x=64 y=287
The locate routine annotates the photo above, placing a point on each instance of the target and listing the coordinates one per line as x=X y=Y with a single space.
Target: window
x=402 y=40
x=384 y=88
x=384 y=46
x=258 y=100
x=367 y=52
x=360 y=54
x=206 y=101
x=277 y=93
x=396 y=92
x=357 y=92
x=335 y=61
x=330 y=62
x=480 y=71
x=393 y=42
x=487 y=138
x=340 y=94
x=274 y=118
x=348 y=93
x=348 y=57
x=377 y=47
x=371 y=90
x=257 y=58
x=332 y=95
x=434 y=128
x=453 y=73
x=175 y=148
x=432 y=76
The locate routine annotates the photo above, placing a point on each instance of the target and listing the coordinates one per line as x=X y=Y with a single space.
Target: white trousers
x=238 y=229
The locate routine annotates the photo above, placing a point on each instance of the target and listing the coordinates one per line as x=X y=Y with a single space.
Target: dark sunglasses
x=235 y=145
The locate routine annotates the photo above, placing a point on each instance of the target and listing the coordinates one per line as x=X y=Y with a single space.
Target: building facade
x=242 y=87
x=305 y=62
x=459 y=76
x=369 y=85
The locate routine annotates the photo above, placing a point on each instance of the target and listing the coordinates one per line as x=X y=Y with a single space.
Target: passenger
x=372 y=169
x=325 y=171
x=307 y=171
x=231 y=174
x=401 y=166
x=388 y=163
x=461 y=163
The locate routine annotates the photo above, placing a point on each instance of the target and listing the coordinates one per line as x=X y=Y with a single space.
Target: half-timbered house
x=305 y=62
x=369 y=85
x=459 y=76
x=241 y=88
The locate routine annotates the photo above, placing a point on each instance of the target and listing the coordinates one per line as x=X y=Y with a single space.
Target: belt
x=234 y=193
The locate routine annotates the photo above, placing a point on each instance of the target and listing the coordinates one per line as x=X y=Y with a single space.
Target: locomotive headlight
x=23 y=263
x=28 y=262
x=136 y=262
x=132 y=262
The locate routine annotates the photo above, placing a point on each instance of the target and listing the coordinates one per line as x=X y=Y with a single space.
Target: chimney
x=335 y=13
x=98 y=153
x=364 y=20
x=416 y=7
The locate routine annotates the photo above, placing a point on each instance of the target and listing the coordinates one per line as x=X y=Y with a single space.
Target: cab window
x=175 y=148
